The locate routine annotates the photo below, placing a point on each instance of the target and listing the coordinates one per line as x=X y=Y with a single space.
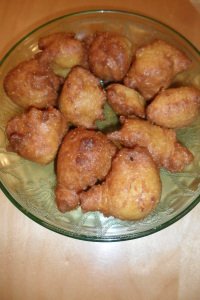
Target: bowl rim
x=76 y=235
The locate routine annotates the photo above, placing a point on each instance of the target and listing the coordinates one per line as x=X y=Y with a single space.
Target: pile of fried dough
x=61 y=91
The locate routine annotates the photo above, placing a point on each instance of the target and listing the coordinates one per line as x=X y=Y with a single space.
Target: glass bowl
x=30 y=187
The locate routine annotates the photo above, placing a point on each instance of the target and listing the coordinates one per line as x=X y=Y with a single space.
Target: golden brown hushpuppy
x=161 y=143
x=125 y=101
x=82 y=98
x=62 y=49
x=32 y=84
x=83 y=159
x=36 y=134
x=131 y=190
x=110 y=56
x=175 y=107
x=154 y=68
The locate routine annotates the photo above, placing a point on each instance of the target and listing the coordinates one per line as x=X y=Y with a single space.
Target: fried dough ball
x=32 y=84
x=82 y=98
x=110 y=56
x=84 y=157
x=125 y=101
x=161 y=143
x=131 y=190
x=37 y=134
x=154 y=68
x=63 y=50
x=175 y=107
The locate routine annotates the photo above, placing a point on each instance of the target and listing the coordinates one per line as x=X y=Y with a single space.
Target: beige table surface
x=38 y=264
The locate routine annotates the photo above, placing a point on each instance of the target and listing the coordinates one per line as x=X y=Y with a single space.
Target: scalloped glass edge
x=82 y=236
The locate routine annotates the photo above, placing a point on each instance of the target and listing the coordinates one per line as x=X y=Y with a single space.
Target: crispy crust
x=37 y=134
x=125 y=101
x=132 y=188
x=175 y=108
x=32 y=84
x=110 y=56
x=160 y=142
x=82 y=98
x=84 y=157
x=154 y=68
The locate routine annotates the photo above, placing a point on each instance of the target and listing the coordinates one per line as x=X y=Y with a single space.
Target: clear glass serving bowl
x=30 y=187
